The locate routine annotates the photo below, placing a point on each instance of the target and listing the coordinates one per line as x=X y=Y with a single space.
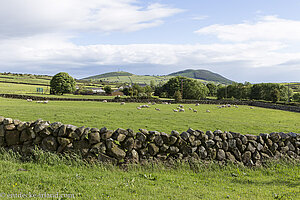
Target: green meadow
x=113 y=116
x=49 y=174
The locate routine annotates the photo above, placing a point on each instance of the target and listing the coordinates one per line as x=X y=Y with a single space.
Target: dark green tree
x=62 y=83
x=190 y=89
x=177 y=96
x=212 y=89
x=107 y=89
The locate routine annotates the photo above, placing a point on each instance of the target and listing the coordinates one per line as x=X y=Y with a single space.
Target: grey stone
x=62 y=131
x=225 y=146
x=217 y=132
x=40 y=126
x=290 y=146
x=230 y=157
x=153 y=149
x=211 y=153
x=210 y=135
x=2 y=141
x=12 y=137
x=185 y=135
x=175 y=133
x=133 y=156
x=98 y=148
x=235 y=135
x=256 y=155
x=246 y=157
x=131 y=133
x=275 y=137
x=229 y=135
x=221 y=155
x=106 y=159
x=7 y=121
x=209 y=143
x=251 y=137
x=158 y=140
x=106 y=135
x=49 y=144
x=173 y=149
x=172 y=140
x=10 y=127
x=25 y=136
x=144 y=131
x=128 y=143
x=117 y=153
x=251 y=148
x=284 y=149
x=232 y=143
x=164 y=148
x=94 y=137
x=202 y=152
x=244 y=139
x=141 y=137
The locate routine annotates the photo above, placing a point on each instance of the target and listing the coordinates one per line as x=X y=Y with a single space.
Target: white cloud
x=32 y=17
x=270 y=28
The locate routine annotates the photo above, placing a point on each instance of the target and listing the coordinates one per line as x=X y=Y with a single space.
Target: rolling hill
x=109 y=74
x=203 y=75
x=126 y=77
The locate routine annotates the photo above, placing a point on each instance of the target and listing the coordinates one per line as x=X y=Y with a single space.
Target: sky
x=243 y=40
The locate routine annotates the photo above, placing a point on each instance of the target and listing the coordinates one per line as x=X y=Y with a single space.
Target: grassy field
x=114 y=115
x=49 y=174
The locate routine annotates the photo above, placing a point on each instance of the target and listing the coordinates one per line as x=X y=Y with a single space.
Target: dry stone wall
x=122 y=145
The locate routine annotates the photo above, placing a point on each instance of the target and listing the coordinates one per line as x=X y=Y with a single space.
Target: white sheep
x=194 y=110
x=122 y=103
x=251 y=107
x=29 y=100
x=190 y=109
x=46 y=101
x=197 y=104
x=157 y=109
x=104 y=101
x=181 y=110
x=208 y=111
x=175 y=110
x=139 y=108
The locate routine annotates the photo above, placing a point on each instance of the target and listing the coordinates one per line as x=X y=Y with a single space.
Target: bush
x=296 y=97
x=62 y=83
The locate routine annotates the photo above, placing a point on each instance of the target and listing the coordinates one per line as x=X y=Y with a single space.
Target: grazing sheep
x=219 y=106
x=39 y=101
x=122 y=103
x=104 y=101
x=29 y=100
x=139 y=108
x=153 y=103
x=194 y=110
x=180 y=106
x=157 y=109
x=190 y=108
x=236 y=106
x=164 y=102
x=175 y=110
x=181 y=110
x=208 y=111
x=197 y=104
x=251 y=107
x=46 y=101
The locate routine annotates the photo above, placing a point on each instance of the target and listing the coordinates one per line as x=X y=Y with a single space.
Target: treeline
x=263 y=91
x=185 y=88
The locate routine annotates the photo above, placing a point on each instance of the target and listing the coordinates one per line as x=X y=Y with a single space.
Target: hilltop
x=126 y=77
x=203 y=75
x=109 y=74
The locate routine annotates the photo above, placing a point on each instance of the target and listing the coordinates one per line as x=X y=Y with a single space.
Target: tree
x=212 y=89
x=275 y=95
x=177 y=96
x=107 y=89
x=62 y=83
x=296 y=97
x=190 y=89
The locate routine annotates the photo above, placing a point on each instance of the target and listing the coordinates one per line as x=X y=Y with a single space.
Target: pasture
x=52 y=174
x=113 y=116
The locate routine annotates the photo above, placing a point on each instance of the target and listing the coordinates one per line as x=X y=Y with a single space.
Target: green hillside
x=126 y=77
x=203 y=75
x=109 y=74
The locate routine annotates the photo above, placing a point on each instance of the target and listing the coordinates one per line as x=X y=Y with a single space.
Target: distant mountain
x=203 y=75
x=110 y=74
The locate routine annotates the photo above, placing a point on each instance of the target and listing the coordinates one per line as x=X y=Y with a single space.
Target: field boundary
x=290 y=108
x=119 y=146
